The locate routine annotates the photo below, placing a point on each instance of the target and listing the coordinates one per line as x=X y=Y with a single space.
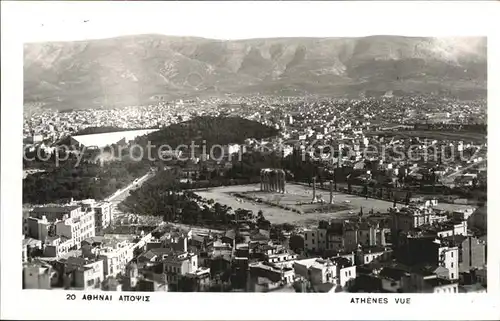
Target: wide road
x=116 y=198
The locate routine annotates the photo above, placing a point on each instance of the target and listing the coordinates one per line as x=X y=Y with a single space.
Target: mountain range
x=136 y=69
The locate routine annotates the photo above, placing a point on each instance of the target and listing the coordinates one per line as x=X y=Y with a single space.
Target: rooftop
x=324 y=287
x=425 y=270
x=455 y=239
x=436 y=282
x=94 y=240
x=342 y=262
x=392 y=273
x=476 y=287
x=55 y=209
x=374 y=249
x=31 y=242
x=177 y=257
x=160 y=251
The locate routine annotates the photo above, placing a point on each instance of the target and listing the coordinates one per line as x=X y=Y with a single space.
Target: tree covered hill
x=209 y=131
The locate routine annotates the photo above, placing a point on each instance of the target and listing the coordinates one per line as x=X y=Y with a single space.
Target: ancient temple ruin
x=272 y=180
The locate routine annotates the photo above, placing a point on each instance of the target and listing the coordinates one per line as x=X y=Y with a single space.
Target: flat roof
x=439 y=282
x=55 y=209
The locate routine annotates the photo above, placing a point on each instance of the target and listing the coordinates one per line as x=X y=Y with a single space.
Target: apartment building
x=116 y=254
x=82 y=273
x=38 y=275
x=77 y=228
x=427 y=250
x=55 y=213
x=426 y=281
x=56 y=246
x=411 y=217
x=103 y=215
x=346 y=236
x=37 y=228
x=315 y=239
x=369 y=254
x=337 y=271
x=265 y=277
x=179 y=264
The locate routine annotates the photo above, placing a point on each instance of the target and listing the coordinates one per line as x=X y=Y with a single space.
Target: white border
x=264 y=19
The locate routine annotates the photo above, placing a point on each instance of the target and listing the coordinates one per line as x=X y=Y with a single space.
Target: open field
x=299 y=193
x=434 y=134
x=294 y=194
x=298 y=200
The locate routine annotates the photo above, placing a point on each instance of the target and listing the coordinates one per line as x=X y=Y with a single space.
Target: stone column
x=282 y=181
x=279 y=178
x=314 y=189
x=331 y=192
x=276 y=181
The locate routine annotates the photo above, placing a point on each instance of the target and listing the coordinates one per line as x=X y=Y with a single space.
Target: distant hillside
x=212 y=130
x=132 y=69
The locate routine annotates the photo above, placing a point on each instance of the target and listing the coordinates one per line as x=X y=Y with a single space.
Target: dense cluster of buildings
x=357 y=134
x=59 y=229
x=412 y=248
x=415 y=248
x=297 y=116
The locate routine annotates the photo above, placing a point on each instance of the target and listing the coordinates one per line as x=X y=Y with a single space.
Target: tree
x=409 y=197
x=288 y=227
x=296 y=243
x=264 y=224
x=323 y=224
x=137 y=251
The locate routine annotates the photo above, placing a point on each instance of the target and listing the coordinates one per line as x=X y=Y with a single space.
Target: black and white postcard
x=339 y=152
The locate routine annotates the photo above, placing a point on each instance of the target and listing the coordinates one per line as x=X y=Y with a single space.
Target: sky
x=68 y=21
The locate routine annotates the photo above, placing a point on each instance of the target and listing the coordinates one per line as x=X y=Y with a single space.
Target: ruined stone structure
x=272 y=180
x=331 y=192
x=314 y=189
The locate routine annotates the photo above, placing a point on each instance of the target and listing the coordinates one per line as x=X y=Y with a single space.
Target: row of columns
x=272 y=180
